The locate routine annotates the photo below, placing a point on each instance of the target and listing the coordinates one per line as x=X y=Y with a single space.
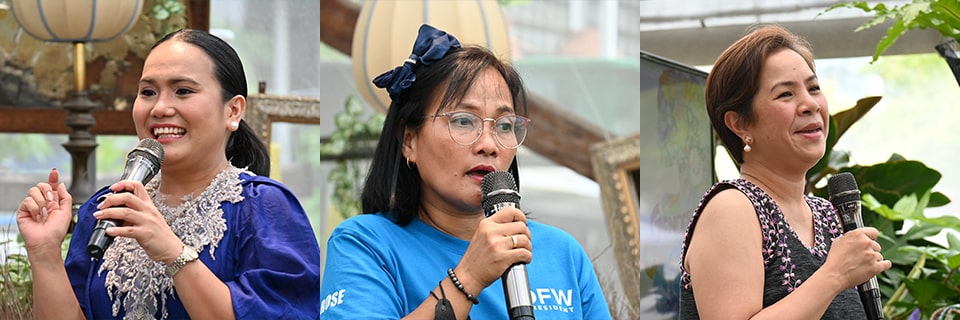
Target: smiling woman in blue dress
x=210 y=237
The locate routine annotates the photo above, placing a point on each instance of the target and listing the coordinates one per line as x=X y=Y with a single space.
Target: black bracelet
x=443 y=310
x=456 y=282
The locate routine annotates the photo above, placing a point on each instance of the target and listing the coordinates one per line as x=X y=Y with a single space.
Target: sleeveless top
x=787 y=261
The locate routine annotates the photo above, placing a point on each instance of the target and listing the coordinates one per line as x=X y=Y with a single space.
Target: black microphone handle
x=99 y=240
x=847 y=204
x=870 y=298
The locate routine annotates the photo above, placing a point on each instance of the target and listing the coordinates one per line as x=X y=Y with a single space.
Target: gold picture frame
x=617 y=164
x=263 y=110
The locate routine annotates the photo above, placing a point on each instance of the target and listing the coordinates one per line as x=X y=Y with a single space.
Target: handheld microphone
x=143 y=162
x=845 y=196
x=499 y=190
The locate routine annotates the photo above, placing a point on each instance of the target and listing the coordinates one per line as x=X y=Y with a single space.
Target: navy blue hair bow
x=431 y=45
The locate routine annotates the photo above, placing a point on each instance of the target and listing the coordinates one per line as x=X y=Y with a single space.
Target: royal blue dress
x=251 y=232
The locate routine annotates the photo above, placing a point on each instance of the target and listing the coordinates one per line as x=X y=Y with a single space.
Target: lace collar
x=134 y=281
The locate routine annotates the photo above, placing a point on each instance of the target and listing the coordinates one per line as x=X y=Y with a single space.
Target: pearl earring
x=234 y=125
x=746 y=144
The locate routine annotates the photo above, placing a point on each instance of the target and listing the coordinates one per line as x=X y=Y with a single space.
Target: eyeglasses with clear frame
x=465 y=128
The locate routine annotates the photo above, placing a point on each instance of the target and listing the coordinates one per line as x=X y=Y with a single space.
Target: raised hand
x=45 y=214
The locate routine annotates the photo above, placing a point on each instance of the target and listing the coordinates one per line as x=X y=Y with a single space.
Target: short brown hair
x=734 y=79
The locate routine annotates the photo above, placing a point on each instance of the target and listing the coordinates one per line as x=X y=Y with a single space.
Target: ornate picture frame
x=616 y=165
x=263 y=110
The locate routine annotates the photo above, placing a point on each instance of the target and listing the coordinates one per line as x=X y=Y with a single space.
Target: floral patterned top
x=787 y=261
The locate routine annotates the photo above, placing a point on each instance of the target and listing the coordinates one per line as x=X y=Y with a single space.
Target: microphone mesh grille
x=841 y=182
x=149 y=149
x=497 y=180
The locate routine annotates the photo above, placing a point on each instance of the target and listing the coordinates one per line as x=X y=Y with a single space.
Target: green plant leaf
x=922 y=230
x=894 y=179
x=953 y=261
x=902 y=254
x=845 y=119
x=953 y=241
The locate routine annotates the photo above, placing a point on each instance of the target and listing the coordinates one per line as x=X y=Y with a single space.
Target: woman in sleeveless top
x=759 y=247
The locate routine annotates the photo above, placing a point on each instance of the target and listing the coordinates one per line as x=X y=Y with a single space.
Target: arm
x=727 y=273
x=360 y=281
x=203 y=294
x=43 y=218
x=278 y=258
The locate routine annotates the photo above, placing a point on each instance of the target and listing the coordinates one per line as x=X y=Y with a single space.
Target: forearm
x=53 y=297
x=203 y=294
x=427 y=309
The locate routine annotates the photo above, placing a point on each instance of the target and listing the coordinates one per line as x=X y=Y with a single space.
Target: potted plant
x=940 y=15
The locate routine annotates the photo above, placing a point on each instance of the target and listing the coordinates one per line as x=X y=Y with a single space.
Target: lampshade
x=386 y=29
x=76 y=20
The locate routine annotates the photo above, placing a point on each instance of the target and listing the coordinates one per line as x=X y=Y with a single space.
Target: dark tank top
x=787 y=261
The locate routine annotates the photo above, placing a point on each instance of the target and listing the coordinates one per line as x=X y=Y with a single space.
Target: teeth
x=166 y=132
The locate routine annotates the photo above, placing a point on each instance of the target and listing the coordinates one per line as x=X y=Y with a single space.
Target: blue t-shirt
x=268 y=257
x=376 y=269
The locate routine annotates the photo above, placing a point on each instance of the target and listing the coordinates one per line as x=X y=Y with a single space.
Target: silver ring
x=514 y=239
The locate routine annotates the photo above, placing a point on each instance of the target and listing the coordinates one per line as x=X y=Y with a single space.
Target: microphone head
x=150 y=150
x=143 y=162
x=843 y=188
x=498 y=187
x=843 y=185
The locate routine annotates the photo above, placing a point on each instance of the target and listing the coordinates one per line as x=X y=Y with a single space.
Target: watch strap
x=189 y=254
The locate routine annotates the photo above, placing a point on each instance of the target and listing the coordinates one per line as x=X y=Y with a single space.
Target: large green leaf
x=926 y=290
x=892 y=180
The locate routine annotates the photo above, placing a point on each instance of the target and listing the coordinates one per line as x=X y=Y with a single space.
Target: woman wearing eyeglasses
x=425 y=250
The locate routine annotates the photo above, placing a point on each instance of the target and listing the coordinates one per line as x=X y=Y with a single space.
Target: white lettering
x=332 y=300
x=564 y=299
x=542 y=294
x=553 y=299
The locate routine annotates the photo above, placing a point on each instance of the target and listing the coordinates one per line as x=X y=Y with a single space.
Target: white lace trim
x=134 y=281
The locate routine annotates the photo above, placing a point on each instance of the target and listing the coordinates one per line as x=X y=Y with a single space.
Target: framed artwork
x=651 y=182
x=263 y=110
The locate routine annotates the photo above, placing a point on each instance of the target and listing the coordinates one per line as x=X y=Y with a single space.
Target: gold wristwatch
x=188 y=255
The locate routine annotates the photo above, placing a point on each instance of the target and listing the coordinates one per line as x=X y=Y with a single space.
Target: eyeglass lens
x=466 y=128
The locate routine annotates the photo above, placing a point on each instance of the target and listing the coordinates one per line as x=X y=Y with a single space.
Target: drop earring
x=746 y=144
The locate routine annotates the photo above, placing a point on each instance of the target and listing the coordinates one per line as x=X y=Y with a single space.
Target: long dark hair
x=391 y=186
x=244 y=147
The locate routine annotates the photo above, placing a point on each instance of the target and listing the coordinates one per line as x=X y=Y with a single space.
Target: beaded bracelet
x=456 y=282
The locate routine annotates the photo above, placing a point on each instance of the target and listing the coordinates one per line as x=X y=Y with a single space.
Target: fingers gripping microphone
x=143 y=162
x=499 y=191
x=845 y=196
